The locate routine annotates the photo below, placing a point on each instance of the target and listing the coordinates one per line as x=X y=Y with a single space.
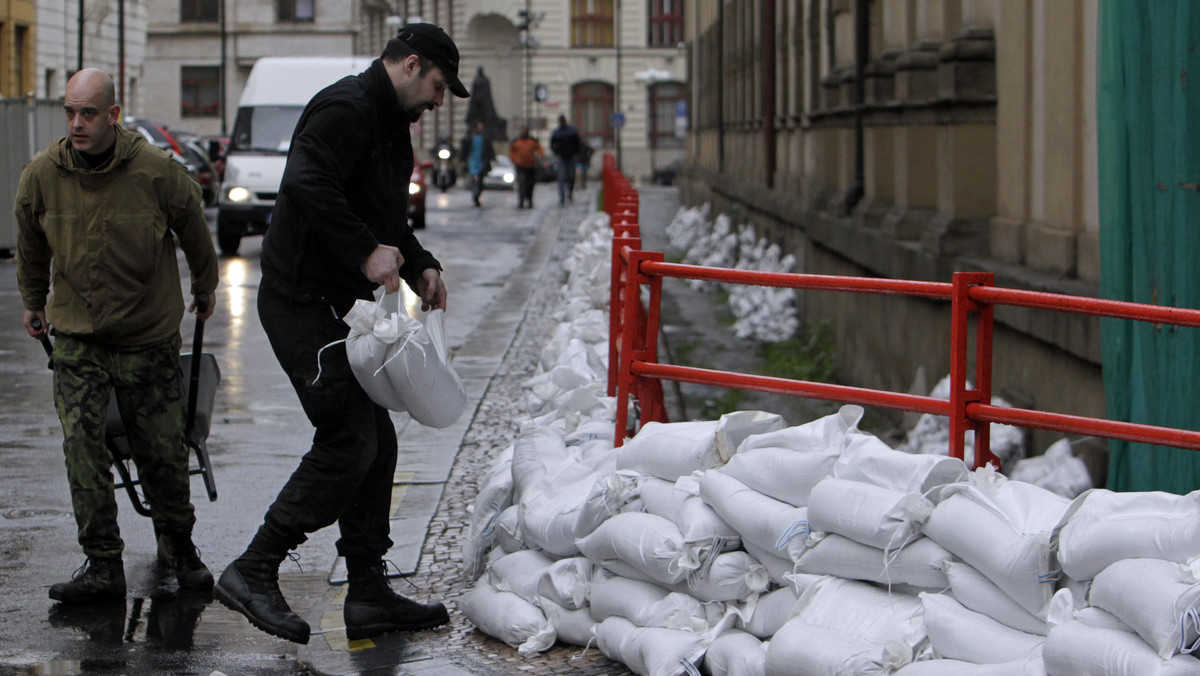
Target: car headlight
x=444 y=153
x=509 y=177
x=238 y=194
x=414 y=188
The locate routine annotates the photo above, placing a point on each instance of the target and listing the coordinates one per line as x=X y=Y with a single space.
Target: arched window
x=592 y=103
x=665 y=98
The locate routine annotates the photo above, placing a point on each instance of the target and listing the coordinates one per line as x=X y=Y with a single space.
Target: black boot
x=250 y=586
x=177 y=554
x=372 y=608
x=97 y=580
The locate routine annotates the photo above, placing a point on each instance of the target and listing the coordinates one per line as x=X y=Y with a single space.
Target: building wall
x=978 y=153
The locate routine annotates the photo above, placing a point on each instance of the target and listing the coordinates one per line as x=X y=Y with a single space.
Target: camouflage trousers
x=150 y=394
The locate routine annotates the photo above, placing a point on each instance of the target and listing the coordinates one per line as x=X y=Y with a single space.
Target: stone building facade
x=971 y=145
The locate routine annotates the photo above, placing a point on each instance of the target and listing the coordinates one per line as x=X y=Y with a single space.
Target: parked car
x=216 y=147
x=503 y=175
x=417 y=190
x=194 y=159
x=201 y=168
x=547 y=170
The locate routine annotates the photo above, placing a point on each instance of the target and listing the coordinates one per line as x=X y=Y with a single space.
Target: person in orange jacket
x=526 y=153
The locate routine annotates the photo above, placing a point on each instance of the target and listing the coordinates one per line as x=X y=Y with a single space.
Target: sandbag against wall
x=1102 y=527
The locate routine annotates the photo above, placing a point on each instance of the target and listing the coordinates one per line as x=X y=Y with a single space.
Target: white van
x=275 y=94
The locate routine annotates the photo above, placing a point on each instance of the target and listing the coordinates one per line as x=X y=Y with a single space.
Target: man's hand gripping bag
x=402 y=363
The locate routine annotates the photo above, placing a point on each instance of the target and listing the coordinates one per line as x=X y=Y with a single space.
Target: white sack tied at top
x=1003 y=529
x=1102 y=527
x=402 y=362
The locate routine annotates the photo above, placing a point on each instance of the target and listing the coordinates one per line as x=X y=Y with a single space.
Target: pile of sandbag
x=744 y=546
x=764 y=313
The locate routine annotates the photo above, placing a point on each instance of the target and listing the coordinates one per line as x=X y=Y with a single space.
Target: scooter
x=444 y=174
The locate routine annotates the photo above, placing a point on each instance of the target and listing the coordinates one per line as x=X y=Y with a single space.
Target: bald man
x=104 y=209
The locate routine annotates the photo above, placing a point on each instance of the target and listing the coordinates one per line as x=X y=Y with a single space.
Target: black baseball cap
x=431 y=42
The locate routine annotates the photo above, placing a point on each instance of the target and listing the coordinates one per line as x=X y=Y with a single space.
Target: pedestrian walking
x=339 y=230
x=526 y=153
x=583 y=163
x=103 y=209
x=479 y=153
x=565 y=144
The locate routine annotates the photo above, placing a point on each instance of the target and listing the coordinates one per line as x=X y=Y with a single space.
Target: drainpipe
x=769 y=91
x=121 y=52
x=861 y=51
x=79 y=37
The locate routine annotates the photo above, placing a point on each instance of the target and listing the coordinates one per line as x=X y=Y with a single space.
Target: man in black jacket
x=339 y=230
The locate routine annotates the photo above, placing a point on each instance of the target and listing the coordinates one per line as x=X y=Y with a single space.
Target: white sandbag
x=519 y=573
x=571 y=626
x=778 y=567
x=961 y=634
x=508 y=617
x=539 y=455
x=771 y=612
x=508 y=530
x=867 y=459
x=650 y=651
x=556 y=513
x=1160 y=600
x=734 y=428
x=1057 y=470
x=873 y=515
x=1075 y=649
x=1029 y=666
x=1002 y=528
x=845 y=627
x=1103 y=526
x=817 y=436
x=799 y=649
x=638 y=545
x=566 y=582
x=680 y=502
x=769 y=524
x=920 y=563
x=735 y=653
x=972 y=589
x=671 y=450
x=647 y=604
x=728 y=576
x=782 y=473
x=495 y=494
x=403 y=363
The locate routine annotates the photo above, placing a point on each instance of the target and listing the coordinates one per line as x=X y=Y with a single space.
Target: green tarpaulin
x=1148 y=123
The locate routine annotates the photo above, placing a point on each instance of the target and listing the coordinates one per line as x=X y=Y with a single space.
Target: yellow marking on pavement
x=334 y=631
x=400 y=489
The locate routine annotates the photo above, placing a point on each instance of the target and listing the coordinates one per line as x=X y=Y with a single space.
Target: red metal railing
x=635 y=373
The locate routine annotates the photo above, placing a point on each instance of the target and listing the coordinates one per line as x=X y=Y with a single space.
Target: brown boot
x=97 y=580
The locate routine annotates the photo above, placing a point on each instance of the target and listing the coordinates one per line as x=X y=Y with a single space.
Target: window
x=664 y=107
x=592 y=103
x=296 y=10
x=198 y=11
x=666 y=23
x=591 y=23
x=199 y=91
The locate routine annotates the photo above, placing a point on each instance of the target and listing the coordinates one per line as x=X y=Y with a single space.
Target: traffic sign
x=618 y=120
